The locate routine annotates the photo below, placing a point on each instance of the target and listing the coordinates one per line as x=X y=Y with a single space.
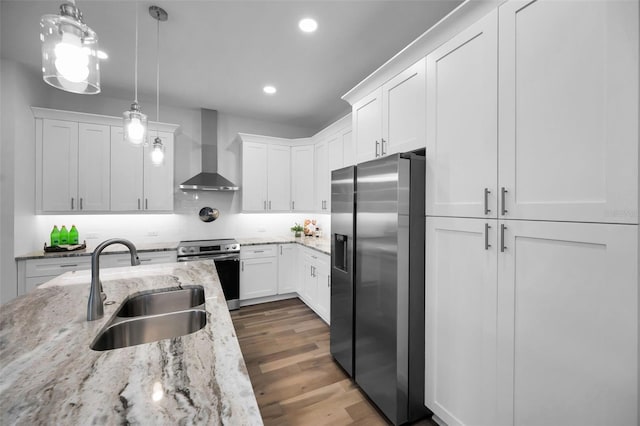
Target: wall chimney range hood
x=209 y=179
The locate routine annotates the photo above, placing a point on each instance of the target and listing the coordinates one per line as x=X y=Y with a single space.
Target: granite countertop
x=323 y=245
x=113 y=249
x=49 y=375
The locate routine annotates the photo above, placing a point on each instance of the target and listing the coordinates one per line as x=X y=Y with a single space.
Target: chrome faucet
x=95 y=309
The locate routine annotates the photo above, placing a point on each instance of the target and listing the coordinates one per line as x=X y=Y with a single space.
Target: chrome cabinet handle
x=503 y=192
x=269 y=204
x=146 y=204
x=486 y=236
x=69 y=265
x=377 y=144
x=145 y=260
x=487 y=210
x=265 y=204
x=293 y=205
x=258 y=251
x=242 y=264
x=71 y=203
x=138 y=203
x=328 y=281
x=502 y=246
x=80 y=203
x=382 y=151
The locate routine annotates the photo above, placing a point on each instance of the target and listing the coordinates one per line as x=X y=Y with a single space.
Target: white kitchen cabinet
x=287 y=268
x=568 y=120
x=348 y=150
x=73 y=172
x=336 y=151
x=315 y=282
x=302 y=178
x=279 y=178
x=568 y=324
x=254 y=177
x=146 y=258
x=462 y=108
x=460 y=320
x=322 y=176
x=258 y=271
x=266 y=177
x=136 y=184
x=391 y=118
x=367 y=126
x=533 y=327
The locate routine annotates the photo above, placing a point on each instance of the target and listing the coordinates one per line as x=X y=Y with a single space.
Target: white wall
x=21 y=231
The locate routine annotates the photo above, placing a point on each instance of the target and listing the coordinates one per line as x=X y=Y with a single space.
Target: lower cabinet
x=315 y=282
x=287 y=268
x=531 y=322
x=258 y=271
x=33 y=272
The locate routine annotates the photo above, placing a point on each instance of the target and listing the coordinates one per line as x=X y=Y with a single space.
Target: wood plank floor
x=296 y=381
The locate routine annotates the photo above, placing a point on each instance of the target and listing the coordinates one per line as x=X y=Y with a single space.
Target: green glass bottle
x=64 y=235
x=55 y=236
x=73 y=235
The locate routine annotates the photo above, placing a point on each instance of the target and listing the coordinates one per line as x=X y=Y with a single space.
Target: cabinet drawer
x=57 y=266
x=124 y=259
x=253 y=252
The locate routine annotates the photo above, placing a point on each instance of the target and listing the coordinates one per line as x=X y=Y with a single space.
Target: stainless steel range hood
x=209 y=179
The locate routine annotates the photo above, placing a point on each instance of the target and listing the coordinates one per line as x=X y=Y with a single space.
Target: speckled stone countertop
x=116 y=248
x=323 y=245
x=49 y=374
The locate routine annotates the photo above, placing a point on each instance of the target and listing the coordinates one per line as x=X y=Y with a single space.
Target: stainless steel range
x=226 y=255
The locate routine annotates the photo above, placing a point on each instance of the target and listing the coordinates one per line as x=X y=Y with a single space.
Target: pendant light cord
x=135 y=78
x=158 y=72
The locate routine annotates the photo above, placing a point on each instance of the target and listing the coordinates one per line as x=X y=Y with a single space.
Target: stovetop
x=203 y=247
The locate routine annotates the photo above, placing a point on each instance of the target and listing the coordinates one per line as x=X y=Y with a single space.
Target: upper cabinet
x=323 y=176
x=462 y=110
x=266 y=175
x=302 y=178
x=84 y=165
x=136 y=184
x=391 y=118
x=568 y=119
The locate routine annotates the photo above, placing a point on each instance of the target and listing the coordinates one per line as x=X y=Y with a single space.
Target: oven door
x=228 y=267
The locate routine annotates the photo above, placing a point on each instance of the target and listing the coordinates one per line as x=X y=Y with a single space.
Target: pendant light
x=69 y=51
x=135 y=122
x=157 y=149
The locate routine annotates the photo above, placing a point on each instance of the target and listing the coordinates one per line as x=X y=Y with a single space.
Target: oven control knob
x=192 y=249
x=181 y=250
x=234 y=247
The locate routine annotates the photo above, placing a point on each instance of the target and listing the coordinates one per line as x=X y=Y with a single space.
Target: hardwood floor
x=296 y=381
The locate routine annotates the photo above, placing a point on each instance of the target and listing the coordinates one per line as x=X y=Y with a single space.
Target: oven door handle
x=234 y=256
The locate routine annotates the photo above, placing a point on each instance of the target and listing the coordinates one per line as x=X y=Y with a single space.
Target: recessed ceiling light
x=269 y=90
x=308 y=25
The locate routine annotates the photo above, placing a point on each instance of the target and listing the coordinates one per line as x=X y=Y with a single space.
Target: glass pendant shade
x=157 y=152
x=69 y=52
x=135 y=125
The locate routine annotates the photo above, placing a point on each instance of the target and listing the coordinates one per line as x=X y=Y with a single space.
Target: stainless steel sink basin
x=154 y=315
x=146 y=329
x=156 y=302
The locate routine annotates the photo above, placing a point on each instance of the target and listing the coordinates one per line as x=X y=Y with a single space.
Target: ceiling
x=219 y=54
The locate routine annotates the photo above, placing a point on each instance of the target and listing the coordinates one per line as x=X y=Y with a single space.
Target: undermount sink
x=154 y=315
x=156 y=302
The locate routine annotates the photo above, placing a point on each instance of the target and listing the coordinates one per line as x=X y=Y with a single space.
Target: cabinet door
x=59 y=166
x=568 y=325
x=322 y=304
x=323 y=180
x=258 y=277
x=403 y=111
x=349 y=155
x=254 y=177
x=461 y=123
x=460 y=320
x=287 y=268
x=336 y=153
x=94 y=159
x=279 y=178
x=302 y=178
x=367 y=126
x=308 y=279
x=158 y=180
x=126 y=173
x=569 y=110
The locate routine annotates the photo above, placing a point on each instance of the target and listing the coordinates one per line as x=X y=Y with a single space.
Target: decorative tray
x=64 y=247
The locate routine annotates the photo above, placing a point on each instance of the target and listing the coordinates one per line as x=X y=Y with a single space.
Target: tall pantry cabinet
x=532 y=217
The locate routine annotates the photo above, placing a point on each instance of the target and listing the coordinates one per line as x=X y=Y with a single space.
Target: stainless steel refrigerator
x=377 y=276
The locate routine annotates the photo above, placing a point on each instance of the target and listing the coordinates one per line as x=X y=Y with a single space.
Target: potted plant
x=297 y=229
